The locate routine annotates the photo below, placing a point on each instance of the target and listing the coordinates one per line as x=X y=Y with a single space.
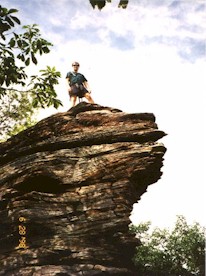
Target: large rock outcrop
x=67 y=188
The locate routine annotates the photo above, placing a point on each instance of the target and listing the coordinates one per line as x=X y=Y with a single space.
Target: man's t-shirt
x=75 y=78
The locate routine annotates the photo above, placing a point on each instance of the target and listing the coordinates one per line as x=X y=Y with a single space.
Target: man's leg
x=88 y=97
x=73 y=100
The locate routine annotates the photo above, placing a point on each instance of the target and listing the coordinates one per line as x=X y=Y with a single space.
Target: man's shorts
x=78 y=90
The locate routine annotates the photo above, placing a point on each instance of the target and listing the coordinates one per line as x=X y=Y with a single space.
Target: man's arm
x=68 y=84
x=86 y=85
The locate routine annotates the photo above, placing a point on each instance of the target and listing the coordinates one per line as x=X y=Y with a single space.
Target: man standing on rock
x=78 y=85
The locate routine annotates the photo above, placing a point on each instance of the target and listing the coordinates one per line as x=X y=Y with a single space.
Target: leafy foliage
x=101 y=4
x=42 y=90
x=17 y=52
x=17 y=114
x=180 y=252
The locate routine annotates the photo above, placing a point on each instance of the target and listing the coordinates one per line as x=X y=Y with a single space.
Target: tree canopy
x=18 y=50
x=172 y=253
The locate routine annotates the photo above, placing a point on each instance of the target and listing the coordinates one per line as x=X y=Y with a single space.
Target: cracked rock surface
x=67 y=188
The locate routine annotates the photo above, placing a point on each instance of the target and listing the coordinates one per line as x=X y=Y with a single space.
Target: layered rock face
x=67 y=188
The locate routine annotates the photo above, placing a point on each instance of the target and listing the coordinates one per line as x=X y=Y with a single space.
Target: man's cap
x=75 y=63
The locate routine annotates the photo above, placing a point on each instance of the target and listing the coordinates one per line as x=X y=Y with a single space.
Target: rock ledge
x=67 y=188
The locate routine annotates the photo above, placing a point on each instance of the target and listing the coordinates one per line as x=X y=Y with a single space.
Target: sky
x=149 y=57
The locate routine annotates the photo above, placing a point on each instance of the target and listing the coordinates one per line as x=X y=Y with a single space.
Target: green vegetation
x=20 y=93
x=176 y=253
x=101 y=4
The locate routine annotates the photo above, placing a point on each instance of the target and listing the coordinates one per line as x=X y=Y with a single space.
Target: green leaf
x=21 y=57
x=27 y=51
x=12 y=42
x=57 y=103
x=11 y=23
x=7 y=81
x=25 y=26
x=35 y=103
x=4 y=27
x=45 y=50
x=3 y=37
x=1 y=81
x=34 y=60
x=16 y=35
x=27 y=62
x=39 y=45
x=14 y=18
x=19 y=43
x=12 y=11
x=10 y=53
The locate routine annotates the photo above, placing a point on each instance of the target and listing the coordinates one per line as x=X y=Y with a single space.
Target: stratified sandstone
x=67 y=188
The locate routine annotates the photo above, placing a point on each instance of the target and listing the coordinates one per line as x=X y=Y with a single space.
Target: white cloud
x=84 y=21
